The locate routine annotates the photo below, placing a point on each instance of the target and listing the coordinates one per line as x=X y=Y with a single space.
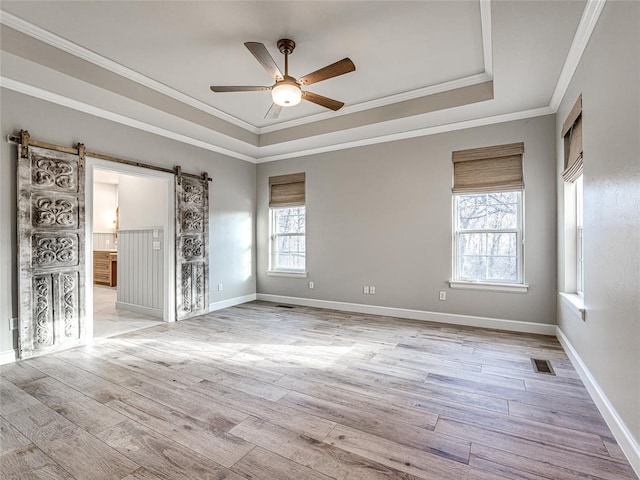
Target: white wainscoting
x=104 y=241
x=8 y=356
x=140 y=271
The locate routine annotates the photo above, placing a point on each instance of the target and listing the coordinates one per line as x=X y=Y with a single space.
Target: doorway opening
x=130 y=248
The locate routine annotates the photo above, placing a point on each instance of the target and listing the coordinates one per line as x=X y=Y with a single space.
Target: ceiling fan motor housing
x=286 y=46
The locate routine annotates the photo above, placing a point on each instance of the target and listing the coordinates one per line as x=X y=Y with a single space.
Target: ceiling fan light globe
x=286 y=94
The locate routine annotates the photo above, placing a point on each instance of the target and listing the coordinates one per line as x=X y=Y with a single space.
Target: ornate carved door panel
x=51 y=245
x=192 y=240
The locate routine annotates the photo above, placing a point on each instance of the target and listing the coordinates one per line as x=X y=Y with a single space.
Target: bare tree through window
x=288 y=240
x=488 y=231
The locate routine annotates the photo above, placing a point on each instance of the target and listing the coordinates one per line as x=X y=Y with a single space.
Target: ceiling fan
x=286 y=92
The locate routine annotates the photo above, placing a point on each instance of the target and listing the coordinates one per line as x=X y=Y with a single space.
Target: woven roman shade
x=488 y=169
x=287 y=190
x=572 y=133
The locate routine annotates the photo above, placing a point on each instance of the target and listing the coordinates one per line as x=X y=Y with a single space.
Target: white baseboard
x=450 y=318
x=623 y=436
x=153 y=312
x=231 y=302
x=9 y=356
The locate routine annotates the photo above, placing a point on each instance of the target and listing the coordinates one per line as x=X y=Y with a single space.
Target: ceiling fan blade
x=262 y=55
x=326 y=102
x=273 y=112
x=339 y=68
x=221 y=89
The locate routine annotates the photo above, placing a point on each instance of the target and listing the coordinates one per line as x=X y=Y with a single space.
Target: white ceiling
x=151 y=64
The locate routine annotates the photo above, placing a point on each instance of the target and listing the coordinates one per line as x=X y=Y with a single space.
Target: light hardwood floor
x=109 y=321
x=263 y=392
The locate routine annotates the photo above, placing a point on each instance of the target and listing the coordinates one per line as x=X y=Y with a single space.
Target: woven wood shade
x=572 y=132
x=287 y=190
x=488 y=169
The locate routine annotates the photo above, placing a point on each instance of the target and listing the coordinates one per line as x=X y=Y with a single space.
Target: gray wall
x=608 y=78
x=381 y=215
x=232 y=195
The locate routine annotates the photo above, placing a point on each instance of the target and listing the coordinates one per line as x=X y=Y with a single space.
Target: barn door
x=192 y=239
x=51 y=245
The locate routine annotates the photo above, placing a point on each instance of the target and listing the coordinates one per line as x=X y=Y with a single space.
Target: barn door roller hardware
x=24 y=140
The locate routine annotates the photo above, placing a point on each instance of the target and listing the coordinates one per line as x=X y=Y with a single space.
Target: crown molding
x=48 y=96
x=421 y=132
x=583 y=33
x=581 y=38
x=64 y=101
x=72 y=48
x=487 y=45
x=381 y=102
x=587 y=24
x=65 y=45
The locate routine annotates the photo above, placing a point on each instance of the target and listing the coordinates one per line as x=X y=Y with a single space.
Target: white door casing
x=168 y=282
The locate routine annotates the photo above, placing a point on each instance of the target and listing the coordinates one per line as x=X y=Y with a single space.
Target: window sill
x=575 y=303
x=490 y=287
x=284 y=273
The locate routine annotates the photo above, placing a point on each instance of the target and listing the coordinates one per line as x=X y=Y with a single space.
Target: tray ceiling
x=418 y=63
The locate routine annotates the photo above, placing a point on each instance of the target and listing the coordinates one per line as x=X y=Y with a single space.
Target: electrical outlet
x=372 y=290
x=365 y=290
x=312 y=285
x=13 y=324
x=443 y=295
x=219 y=287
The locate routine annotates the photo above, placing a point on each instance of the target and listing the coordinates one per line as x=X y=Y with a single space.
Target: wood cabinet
x=105 y=268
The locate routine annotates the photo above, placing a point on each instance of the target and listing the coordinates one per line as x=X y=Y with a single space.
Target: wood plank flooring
x=264 y=392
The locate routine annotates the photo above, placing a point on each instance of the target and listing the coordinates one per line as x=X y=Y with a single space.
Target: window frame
x=273 y=252
x=579 y=233
x=573 y=219
x=572 y=295
x=518 y=285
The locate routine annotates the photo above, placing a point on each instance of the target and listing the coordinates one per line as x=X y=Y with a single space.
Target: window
x=287 y=225
x=288 y=249
x=574 y=182
x=579 y=247
x=488 y=195
x=488 y=237
x=572 y=292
